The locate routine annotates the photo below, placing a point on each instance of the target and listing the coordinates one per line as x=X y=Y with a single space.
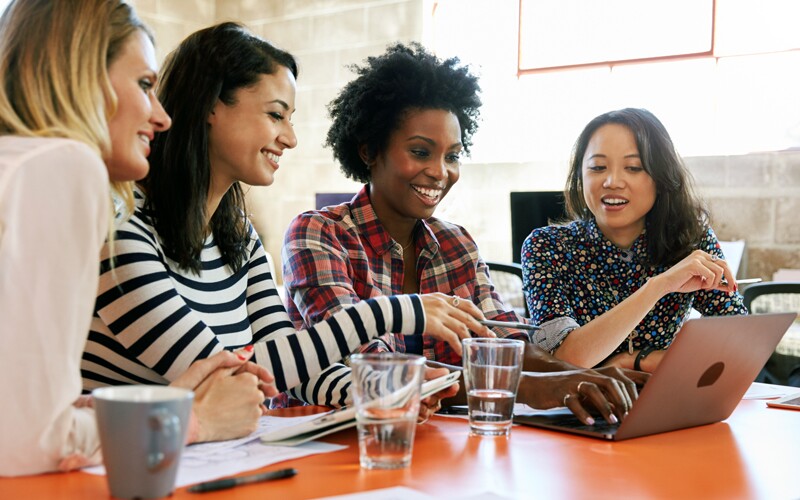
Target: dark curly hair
x=209 y=65
x=677 y=221
x=405 y=77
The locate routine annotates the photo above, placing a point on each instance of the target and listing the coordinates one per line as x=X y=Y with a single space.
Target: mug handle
x=164 y=438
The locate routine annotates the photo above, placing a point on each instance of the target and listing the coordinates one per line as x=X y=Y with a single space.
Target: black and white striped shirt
x=153 y=319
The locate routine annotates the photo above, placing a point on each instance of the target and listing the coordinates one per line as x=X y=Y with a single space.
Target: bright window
x=561 y=33
x=742 y=99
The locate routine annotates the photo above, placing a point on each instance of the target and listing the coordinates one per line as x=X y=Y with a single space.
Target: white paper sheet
x=207 y=461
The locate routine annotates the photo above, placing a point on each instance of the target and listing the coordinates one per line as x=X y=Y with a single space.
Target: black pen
x=223 y=484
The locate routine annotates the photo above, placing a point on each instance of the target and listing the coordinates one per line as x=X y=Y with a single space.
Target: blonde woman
x=77 y=110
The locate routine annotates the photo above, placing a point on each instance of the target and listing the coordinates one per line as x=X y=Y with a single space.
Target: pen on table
x=508 y=324
x=222 y=484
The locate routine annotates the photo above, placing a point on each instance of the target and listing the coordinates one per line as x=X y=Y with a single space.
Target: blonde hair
x=54 y=59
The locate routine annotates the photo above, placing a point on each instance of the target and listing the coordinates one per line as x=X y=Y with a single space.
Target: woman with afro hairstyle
x=401 y=128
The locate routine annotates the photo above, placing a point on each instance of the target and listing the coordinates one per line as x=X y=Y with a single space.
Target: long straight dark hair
x=677 y=222
x=209 y=65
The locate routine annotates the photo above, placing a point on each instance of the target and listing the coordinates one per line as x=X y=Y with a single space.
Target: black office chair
x=507 y=280
x=783 y=367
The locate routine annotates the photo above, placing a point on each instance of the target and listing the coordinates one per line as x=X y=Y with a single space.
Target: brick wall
x=753 y=197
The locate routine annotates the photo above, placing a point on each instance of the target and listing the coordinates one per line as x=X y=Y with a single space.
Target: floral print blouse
x=572 y=274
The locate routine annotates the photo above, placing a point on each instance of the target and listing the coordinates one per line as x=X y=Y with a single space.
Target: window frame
x=616 y=62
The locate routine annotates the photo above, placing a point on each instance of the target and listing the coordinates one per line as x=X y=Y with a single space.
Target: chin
x=128 y=171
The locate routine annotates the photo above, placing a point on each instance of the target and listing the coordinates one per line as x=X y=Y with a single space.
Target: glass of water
x=492 y=369
x=386 y=393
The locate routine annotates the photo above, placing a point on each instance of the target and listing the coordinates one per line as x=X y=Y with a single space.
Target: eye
x=596 y=168
x=276 y=115
x=146 y=84
x=454 y=157
x=635 y=168
x=420 y=153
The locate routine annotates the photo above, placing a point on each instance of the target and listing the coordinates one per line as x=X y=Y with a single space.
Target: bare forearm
x=537 y=359
x=590 y=344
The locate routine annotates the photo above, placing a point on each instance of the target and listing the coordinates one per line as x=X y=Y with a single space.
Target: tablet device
x=791 y=402
x=341 y=418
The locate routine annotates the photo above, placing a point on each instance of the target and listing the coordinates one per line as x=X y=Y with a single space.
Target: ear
x=212 y=117
x=364 y=155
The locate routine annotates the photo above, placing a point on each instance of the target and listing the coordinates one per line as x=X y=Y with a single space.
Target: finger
x=259 y=371
x=435 y=372
x=629 y=380
x=203 y=368
x=447 y=392
x=469 y=314
x=638 y=378
x=605 y=391
x=442 y=332
x=573 y=403
x=613 y=413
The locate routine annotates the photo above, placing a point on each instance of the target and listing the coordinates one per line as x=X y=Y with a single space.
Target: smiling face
x=616 y=188
x=419 y=166
x=248 y=137
x=139 y=114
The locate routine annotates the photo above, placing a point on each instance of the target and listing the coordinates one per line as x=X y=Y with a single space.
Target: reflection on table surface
x=747 y=456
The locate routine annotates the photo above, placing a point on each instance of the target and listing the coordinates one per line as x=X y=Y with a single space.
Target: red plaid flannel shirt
x=337 y=256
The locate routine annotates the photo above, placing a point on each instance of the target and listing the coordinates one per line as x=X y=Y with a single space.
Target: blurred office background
x=547 y=67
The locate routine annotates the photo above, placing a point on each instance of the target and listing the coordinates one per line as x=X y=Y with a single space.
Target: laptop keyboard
x=571 y=421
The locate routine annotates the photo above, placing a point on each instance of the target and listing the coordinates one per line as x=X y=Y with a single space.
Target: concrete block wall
x=754 y=197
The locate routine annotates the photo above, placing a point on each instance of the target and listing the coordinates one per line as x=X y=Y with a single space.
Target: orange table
x=753 y=454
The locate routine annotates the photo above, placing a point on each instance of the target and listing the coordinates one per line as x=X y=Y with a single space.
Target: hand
x=698 y=271
x=451 y=319
x=84 y=401
x=433 y=403
x=578 y=390
x=229 y=395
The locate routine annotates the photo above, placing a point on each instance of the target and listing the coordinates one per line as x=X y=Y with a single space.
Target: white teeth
x=272 y=156
x=430 y=193
x=615 y=201
x=144 y=139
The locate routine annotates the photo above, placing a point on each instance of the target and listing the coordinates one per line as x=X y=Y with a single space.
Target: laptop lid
x=700 y=380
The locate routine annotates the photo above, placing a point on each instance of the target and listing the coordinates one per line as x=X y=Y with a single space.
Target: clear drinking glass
x=492 y=369
x=386 y=392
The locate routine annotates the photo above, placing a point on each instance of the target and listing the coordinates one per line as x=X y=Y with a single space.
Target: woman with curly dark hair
x=615 y=285
x=190 y=276
x=401 y=128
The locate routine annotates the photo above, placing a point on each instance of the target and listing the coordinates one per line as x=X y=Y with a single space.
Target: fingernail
x=249 y=348
x=241 y=356
x=590 y=421
x=613 y=419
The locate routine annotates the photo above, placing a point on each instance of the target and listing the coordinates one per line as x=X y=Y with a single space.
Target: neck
x=622 y=238
x=401 y=229
x=215 y=194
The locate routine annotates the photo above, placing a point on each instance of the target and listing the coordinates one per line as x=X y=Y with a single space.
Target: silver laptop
x=700 y=380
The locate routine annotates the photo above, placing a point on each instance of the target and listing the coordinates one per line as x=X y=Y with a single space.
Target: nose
x=160 y=119
x=614 y=179
x=288 y=138
x=438 y=169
